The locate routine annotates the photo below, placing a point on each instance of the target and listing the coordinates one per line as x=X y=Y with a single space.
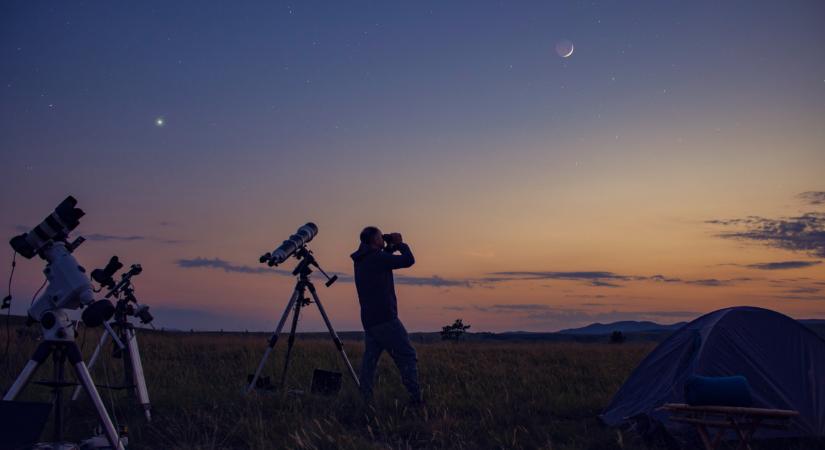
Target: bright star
x=160 y=122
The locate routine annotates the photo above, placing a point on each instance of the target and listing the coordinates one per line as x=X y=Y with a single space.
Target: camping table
x=744 y=421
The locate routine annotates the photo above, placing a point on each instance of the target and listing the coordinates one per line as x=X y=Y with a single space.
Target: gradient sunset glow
x=672 y=165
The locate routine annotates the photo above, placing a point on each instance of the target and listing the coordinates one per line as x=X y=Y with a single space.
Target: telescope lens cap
x=98 y=312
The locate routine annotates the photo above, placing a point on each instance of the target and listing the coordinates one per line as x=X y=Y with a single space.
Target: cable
x=38 y=291
x=7 y=305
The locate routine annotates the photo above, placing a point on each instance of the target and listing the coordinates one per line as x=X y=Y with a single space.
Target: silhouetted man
x=374 y=264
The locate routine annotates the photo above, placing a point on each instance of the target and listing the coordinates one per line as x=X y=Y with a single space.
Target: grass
x=479 y=395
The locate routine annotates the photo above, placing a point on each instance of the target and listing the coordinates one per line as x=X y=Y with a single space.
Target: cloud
x=226 y=266
x=100 y=237
x=605 y=279
x=708 y=282
x=604 y=284
x=813 y=197
x=111 y=237
x=802 y=297
x=434 y=281
x=803 y=290
x=663 y=279
x=782 y=265
x=595 y=275
x=805 y=233
x=521 y=307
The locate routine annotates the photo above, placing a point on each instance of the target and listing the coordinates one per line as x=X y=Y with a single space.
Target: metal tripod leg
x=40 y=355
x=85 y=379
x=100 y=345
x=273 y=340
x=291 y=341
x=338 y=344
x=137 y=372
x=74 y=357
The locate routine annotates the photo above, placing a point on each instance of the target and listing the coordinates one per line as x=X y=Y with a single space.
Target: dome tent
x=783 y=361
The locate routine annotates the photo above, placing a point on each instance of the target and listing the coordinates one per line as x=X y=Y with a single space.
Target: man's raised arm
x=402 y=261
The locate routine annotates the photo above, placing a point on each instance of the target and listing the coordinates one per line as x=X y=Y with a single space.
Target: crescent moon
x=570 y=52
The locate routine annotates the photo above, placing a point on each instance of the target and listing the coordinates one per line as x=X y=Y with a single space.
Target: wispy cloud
x=600 y=283
x=816 y=298
x=131 y=238
x=606 y=279
x=782 y=265
x=803 y=290
x=805 y=233
x=111 y=237
x=709 y=282
x=434 y=281
x=103 y=237
x=586 y=275
x=813 y=197
x=226 y=266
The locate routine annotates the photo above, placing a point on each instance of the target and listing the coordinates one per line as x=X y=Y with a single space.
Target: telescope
x=296 y=246
x=104 y=276
x=121 y=331
x=67 y=286
x=295 y=242
x=54 y=228
x=128 y=304
x=67 y=289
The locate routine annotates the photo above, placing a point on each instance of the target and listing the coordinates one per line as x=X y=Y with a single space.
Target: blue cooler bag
x=719 y=391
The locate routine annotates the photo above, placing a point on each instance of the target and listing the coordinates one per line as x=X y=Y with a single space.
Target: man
x=374 y=264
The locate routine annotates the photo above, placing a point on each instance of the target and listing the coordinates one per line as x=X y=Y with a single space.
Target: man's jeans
x=392 y=337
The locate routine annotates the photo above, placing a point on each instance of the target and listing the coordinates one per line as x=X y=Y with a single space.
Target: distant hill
x=595 y=332
x=625 y=326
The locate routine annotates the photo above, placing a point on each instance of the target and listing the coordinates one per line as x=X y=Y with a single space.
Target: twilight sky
x=672 y=165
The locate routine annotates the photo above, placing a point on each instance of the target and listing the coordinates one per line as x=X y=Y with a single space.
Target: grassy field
x=479 y=395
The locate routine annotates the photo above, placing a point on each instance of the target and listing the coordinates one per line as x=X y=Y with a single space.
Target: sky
x=670 y=166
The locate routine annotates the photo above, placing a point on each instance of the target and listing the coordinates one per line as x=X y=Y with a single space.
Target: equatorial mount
x=306 y=259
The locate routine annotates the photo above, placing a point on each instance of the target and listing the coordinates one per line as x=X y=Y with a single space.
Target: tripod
x=133 y=378
x=296 y=302
x=59 y=343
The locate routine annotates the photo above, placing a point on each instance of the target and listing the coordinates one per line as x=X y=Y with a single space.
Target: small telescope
x=104 y=276
x=291 y=245
x=128 y=304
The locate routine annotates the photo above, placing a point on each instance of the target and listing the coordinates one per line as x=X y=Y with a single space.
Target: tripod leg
x=100 y=345
x=338 y=344
x=85 y=379
x=58 y=360
x=291 y=340
x=40 y=355
x=273 y=340
x=137 y=372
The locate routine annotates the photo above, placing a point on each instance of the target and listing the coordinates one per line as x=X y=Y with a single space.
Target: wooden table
x=744 y=421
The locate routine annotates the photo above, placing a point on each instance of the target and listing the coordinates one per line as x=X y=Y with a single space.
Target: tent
x=783 y=361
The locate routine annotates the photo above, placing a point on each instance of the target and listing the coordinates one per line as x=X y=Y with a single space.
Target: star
x=160 y=122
